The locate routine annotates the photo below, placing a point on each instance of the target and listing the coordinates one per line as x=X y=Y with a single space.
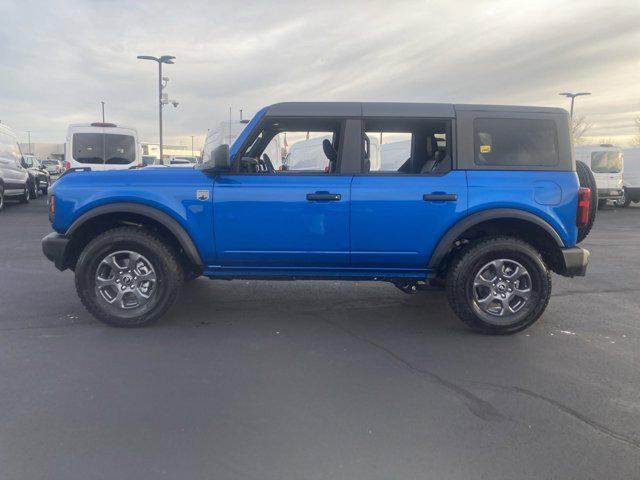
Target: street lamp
x=162 y=101
x=573 y=96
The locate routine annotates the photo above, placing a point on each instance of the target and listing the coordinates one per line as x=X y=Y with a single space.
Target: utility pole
x=573 y=96
x=29 y=135
x=168 y=59
x=102 y=111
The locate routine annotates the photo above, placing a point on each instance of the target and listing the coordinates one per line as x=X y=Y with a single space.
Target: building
x=168 y=150
x=44 y=150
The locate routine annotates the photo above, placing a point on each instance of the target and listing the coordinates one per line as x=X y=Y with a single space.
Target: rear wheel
x=586 y=178
x=499 y=285
x=128 y=277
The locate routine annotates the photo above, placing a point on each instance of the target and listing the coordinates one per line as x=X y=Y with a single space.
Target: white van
x=101 y=146
x=631 y=177
x=606 y=163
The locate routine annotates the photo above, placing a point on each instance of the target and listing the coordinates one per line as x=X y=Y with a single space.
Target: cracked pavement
x=318 y=380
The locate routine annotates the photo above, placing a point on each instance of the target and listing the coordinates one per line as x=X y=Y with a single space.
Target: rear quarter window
x=515 y=142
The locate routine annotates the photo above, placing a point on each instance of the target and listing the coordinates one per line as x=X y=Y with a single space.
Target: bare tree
x=579 y=127
x=636 y=138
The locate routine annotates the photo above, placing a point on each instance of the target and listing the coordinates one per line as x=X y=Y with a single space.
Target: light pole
x=192 y=145
x=29 y=135
x=573 y=96
x=168 y=59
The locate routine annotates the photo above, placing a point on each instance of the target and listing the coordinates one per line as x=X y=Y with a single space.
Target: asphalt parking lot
x=318 y=380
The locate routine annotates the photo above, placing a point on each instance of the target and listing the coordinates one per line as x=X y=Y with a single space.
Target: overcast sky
x=61 y=58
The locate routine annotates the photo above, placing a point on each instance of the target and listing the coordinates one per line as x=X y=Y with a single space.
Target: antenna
x=229 y=125
x=240 y=115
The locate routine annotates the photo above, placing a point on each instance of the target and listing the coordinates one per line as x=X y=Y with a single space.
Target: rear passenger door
x=407 y=195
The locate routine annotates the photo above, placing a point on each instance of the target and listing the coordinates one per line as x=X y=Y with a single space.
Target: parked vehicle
x=52 y=166
x=488 y=217
x=631 y=178
x=14 y=177
x=606 y=163
x=149 y=160
x=183 y=161
x=101 y=146
x=41 y=179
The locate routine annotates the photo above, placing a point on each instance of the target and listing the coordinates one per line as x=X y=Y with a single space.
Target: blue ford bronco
x=484 y=201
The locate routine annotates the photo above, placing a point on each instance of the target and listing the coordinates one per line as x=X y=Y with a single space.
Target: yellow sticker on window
x=485 y=148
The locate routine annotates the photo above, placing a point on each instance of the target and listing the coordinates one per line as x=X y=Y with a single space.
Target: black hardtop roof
x=392 y=109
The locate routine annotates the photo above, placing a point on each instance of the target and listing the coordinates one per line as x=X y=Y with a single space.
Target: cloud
x=61 y=58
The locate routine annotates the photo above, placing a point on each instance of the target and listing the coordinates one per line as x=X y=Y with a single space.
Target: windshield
x=109 y=148
x=31 y=161
x=606 y=162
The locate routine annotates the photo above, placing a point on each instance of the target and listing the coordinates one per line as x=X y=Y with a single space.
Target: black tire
x=34 y=189
x=586 y=178
x=473 y=259
x=623 y=201
x=26 y=195
x=164 y=263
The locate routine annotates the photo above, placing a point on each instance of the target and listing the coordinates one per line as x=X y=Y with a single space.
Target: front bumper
x=56 y=248
x=609 y=193
x=575 y=262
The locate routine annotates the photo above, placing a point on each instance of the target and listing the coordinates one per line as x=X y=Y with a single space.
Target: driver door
x=292 y=214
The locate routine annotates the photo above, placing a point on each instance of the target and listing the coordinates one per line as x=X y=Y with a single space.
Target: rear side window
x=109 y=148
x=515 y=142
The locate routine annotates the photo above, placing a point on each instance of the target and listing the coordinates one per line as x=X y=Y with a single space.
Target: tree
x=579 y=127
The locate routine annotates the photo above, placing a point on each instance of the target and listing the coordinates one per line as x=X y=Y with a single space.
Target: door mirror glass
x=219 y=162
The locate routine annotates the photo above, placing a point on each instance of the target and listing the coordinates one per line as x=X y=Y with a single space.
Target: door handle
x=440 y=197
x=326 y=197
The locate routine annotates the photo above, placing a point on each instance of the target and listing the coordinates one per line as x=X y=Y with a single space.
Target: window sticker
x=485 y=148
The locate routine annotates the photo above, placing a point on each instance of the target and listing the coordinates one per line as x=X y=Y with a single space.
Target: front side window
x=606 y=162
x=515 y=142
x=109 y=148
x=406 y=146
x=293 y=145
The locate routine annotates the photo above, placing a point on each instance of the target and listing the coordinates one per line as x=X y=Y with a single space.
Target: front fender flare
x=165 y=219
x=446 y=242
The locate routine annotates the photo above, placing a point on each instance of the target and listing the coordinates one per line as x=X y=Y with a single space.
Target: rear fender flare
x=446 y=242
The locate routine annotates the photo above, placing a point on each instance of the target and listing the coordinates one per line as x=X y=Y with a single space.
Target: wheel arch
x=92 y=222
x=519 y=223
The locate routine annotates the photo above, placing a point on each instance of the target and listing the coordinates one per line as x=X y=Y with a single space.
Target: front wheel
x=34 y=189
x=26 y=194
x=499 y=285
x=128 y=277
x=624 y=200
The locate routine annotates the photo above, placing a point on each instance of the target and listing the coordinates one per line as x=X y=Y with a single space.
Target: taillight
x=67 y=165
x=584 y=202
x=52 y=207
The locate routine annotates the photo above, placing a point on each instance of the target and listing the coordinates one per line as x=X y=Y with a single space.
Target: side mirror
x=220 y=161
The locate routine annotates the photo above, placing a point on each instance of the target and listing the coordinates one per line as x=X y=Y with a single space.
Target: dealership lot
x=275 y=380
